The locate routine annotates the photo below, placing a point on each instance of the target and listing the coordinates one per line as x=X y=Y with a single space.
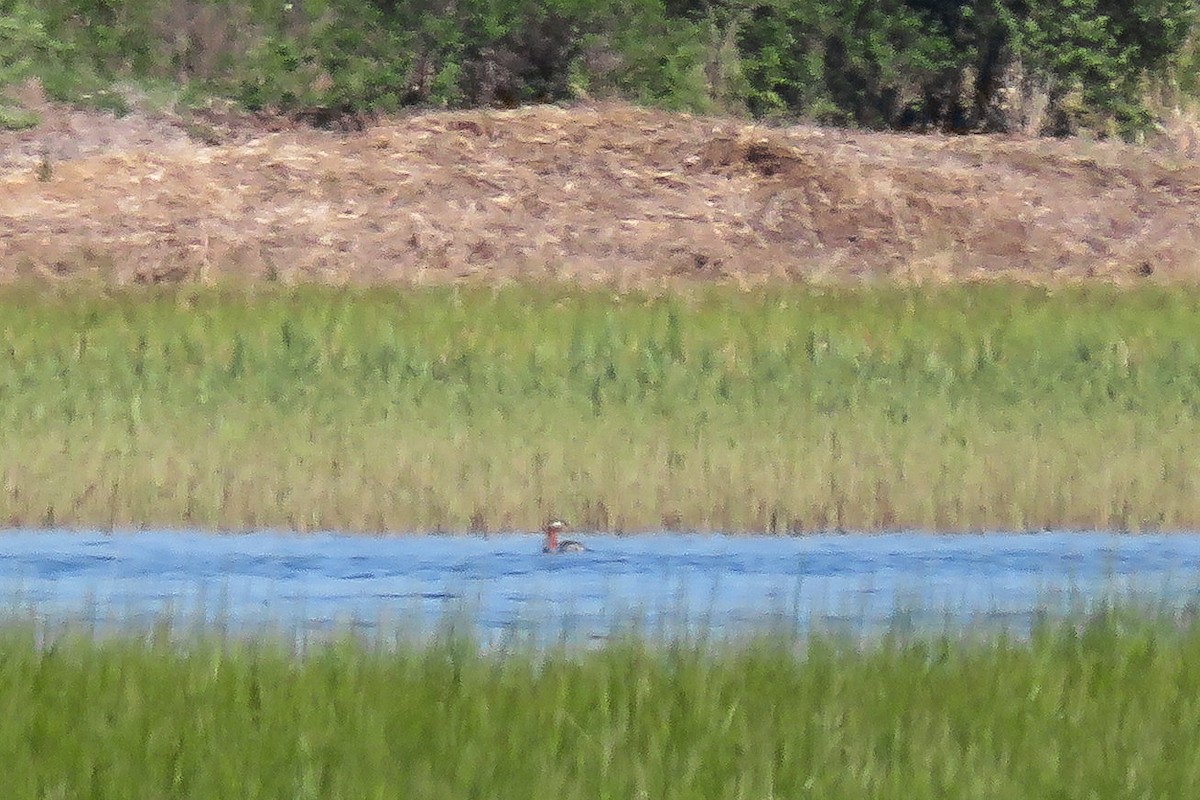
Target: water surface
x=666 y=582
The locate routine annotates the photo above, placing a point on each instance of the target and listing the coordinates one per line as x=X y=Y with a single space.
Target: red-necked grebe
x=554 y=545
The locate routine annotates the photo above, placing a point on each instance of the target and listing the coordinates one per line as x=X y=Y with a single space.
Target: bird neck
x=552 y=539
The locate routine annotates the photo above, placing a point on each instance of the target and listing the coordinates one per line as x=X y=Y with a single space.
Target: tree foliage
x=1056 y=66
x=961 y=64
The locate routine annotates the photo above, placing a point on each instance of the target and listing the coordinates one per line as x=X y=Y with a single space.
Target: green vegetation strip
x=788 y=410
x=1109 y=708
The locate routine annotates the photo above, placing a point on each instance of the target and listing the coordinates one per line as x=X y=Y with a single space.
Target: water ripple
x=506 y=584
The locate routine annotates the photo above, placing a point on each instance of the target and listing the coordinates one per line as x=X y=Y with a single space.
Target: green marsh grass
x=1106 y=708
x=781 y=410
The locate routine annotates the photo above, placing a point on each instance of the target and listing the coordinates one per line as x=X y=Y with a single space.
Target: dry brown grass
x=609 y=194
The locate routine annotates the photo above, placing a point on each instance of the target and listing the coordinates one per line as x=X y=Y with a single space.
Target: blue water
x=668 y=583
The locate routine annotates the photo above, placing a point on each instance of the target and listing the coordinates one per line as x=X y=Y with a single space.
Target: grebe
x=552 y=543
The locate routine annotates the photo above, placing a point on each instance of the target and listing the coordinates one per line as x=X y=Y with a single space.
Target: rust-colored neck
x=552 y=538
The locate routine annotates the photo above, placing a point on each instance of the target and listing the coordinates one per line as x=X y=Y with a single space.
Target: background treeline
x=1049 y=66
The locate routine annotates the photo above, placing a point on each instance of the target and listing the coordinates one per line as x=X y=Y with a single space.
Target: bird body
x=553 y=544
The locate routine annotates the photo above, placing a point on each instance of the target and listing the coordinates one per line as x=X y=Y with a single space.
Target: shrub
x=1092 y=57
x=956 y=65
x=23 y=41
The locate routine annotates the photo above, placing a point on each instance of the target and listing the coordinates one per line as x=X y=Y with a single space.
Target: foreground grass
x=441 y=409
x=1109 y=709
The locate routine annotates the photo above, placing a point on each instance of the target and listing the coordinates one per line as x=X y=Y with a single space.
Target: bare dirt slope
x=612 y=194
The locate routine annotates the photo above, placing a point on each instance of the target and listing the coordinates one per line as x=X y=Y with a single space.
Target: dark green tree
x=1094 y=55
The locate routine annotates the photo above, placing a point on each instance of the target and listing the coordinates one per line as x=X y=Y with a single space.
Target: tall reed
x=787 y=409
x=1108 y=708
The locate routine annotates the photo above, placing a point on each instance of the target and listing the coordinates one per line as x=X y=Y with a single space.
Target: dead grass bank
x=611 y=195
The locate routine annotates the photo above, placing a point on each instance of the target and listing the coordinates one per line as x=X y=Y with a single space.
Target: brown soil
x=616 y=195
